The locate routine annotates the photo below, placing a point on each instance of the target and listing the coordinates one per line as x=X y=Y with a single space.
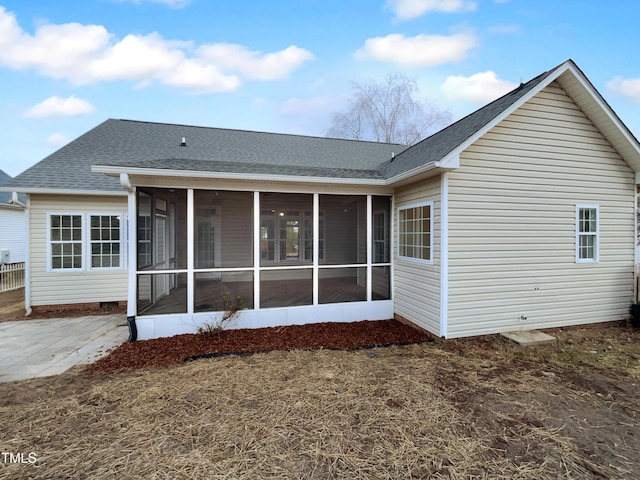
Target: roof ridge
x=262 y=132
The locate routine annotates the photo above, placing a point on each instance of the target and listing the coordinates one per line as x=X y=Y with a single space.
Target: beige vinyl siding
x=512 y=224
x=416 y=285
x=59 y=288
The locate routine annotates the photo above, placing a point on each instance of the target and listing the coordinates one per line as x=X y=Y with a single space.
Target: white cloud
x=480 y=88
x=418 y=51
x=629 y=88
x=200 y=77
x=57 y=140
x=409 y=9
x=254 y=64
x=59 y=107
x=84 y=54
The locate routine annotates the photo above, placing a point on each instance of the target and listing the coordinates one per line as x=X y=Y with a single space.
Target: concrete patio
x=40 y=348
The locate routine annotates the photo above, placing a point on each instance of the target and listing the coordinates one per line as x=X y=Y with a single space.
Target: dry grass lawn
x=459 y=409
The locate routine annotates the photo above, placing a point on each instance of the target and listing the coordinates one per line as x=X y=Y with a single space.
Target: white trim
x=86 y=242
x=82 y=242
x=636 y=253
x=132 y=277
x=155 y=326
x=410 y=206
x=596 y=253
x=256 y=250
x=444 y=254
x=450 y=162
x=369 y=221
x=191 y=216
x=316 y=247
x=157 y=172
x=62 y=191
x=122 y=241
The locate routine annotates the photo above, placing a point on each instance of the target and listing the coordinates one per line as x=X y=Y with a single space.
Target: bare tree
x=388 y=112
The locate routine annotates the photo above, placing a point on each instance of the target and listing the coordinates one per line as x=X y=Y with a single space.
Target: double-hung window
x=79 y=241
x=415 y=232
x=105 y=241
x=587 y=233
x=66 y=241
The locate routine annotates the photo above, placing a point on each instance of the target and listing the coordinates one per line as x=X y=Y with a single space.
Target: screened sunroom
x=284 y=257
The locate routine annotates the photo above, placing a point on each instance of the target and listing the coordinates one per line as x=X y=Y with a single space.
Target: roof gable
x=451 y=141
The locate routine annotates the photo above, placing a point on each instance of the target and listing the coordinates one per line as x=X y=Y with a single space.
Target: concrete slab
x=529 y=338
x=40 y=348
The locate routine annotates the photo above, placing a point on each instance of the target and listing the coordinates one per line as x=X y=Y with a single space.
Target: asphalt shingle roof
x=130 y=143
x=157 y=145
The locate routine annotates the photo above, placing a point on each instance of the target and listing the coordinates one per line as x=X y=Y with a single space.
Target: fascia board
x=609 y=112
x=60 y=191
x=131 y=171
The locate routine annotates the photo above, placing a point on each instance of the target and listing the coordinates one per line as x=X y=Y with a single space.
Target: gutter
x=158 y=172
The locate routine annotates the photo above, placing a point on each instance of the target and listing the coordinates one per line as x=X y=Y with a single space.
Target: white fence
x=11 y=276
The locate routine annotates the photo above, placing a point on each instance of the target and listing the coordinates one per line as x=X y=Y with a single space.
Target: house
x=521 y=215
x=12 y=225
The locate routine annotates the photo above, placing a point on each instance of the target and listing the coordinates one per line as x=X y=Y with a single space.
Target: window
x=105 y=241
x=415 y=224
x=85 y=241
x=65 y=233
x=587 y=233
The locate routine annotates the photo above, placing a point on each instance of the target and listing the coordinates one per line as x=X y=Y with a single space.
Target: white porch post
x=256 y=250
x=190 y=251
x=316 y=246
x=132 y=254
x=369 y=247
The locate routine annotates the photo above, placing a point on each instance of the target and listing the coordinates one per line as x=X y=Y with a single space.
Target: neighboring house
x=13 y=232
x=521 y=215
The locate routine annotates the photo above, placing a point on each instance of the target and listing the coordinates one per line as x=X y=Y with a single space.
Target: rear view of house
x=521 y=215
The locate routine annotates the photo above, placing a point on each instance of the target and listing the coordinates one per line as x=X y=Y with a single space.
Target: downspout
x=131 y=264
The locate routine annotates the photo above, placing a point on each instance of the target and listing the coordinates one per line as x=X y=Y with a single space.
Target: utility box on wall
x=5 y=257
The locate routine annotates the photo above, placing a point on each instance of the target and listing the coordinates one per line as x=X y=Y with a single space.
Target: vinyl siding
x=512 y=224
x=417 y=285
x=59 y=288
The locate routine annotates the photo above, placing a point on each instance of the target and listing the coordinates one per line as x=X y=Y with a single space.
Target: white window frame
x=90 y=242
x=596 y=234
x=85 y=219
x=431 y=232
x=50 y=242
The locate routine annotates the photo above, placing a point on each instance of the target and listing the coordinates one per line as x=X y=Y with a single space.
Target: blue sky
x=285 y=66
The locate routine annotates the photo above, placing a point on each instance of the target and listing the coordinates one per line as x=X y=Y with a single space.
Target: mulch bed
x=162 y=352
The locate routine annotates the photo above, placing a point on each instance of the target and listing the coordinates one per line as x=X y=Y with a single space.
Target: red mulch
x=162 y=352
